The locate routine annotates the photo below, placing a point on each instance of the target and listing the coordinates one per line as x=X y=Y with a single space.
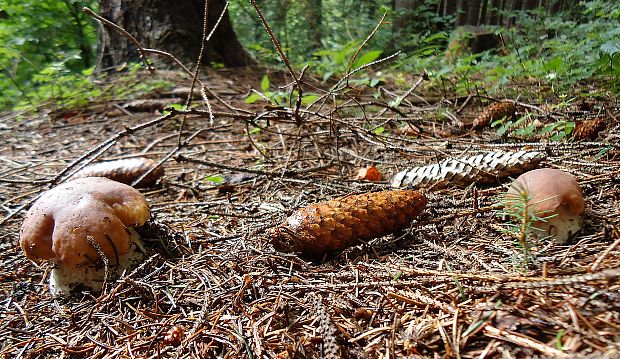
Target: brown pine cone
x=588 y=129
x=331 y=226
x=124 y=171
x=494 y=112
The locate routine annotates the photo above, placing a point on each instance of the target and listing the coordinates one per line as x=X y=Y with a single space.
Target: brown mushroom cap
x=551 y=191
x=59 y=222
x=555 y=198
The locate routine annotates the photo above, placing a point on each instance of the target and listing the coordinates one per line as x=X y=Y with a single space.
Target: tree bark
x=556 y=6
x=450 y=7
x=172 y=26
x=281 y=22
x=530 y=4
x=403 y=15
x=313 y=13
x=473 y=12
x=495 y=17
x=484 y=12
x=462 y=8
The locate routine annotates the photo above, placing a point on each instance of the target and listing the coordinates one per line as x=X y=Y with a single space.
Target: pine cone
x=331 y=226
x=462 y=171
x=124 y=171
x=494 y=112
x=588 y=129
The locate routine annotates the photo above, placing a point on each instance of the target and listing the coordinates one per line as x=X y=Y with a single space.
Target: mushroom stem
x=67 y=280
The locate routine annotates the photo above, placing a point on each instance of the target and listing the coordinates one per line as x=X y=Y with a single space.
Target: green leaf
x=396 y=102
x=176 y=106
x=477 y=324
x=308 y=99
x=437 y=36
x=498 y=122
x=379 y=130
x=555 y=64
x=367 y=58
x=558 y=338
x=253 y=97
x=548 y=128
x=504 y=128
x=264 y=84
x=217 y=179
x=374 y=82
x=611 y=47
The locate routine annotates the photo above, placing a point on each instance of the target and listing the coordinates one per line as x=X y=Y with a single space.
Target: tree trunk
x=512 y=6
x=484 y=12
x=450 y=7
x=462 y=8
x=403 y=15
x=313 y=12
x=530 y=4
x=555 y=6
x=172 y=26
x=496 y=7
x=473 y=12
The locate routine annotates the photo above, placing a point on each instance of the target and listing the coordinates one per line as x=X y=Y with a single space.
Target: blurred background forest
x=49 y=47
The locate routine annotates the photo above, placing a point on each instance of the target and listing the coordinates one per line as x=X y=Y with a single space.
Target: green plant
x=557 y=51
x=516 y=209
x=525 y=127
x=337 y=60
x=278 y=98
x=65 y=89
x=558 y=339
x=43 y=42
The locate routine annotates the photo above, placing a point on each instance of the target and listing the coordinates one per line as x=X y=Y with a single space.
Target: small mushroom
x=555 y=197
x=82 y=226
x=371 y=174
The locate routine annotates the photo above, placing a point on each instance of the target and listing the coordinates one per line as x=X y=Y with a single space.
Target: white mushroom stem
x=561 y=227
x=64 y=281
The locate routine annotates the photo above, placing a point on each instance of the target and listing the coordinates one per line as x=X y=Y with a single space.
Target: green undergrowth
x=541 y=51
x=58 y=87
x=48 y=53
x=45 y=46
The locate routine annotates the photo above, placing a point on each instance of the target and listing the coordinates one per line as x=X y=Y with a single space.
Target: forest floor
x=452 y=286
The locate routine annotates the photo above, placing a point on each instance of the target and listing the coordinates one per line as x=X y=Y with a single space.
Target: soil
x=454 y=284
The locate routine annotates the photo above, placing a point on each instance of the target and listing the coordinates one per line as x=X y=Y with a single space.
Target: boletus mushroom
x=553 y=196
x=83 y=226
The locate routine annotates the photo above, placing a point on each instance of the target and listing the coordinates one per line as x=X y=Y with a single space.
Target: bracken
x=331 y=226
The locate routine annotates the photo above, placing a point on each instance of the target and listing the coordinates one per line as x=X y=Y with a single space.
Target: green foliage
x=425 y=25
x=63 y=88
x=526 y=128
x=216 y=179
x=278 y=98
x=59 y=84
x=559 y=338
x=43 y=42
x=48 y=48
x=338 y=61
x=557 y=50
x=519 y=217
x=294 y=22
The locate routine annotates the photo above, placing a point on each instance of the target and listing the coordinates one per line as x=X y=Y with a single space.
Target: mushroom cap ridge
x=58 y=224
